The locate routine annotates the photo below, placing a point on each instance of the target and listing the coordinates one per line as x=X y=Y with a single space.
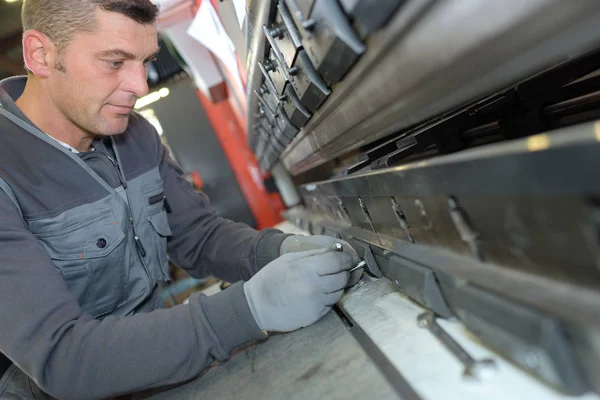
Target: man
x=91 y=205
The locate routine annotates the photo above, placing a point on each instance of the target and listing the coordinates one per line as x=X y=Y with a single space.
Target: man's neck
x=38 y=107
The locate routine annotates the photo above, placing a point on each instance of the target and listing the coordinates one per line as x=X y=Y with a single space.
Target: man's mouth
x=122 y=109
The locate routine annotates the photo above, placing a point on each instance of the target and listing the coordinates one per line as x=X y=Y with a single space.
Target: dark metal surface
x=331 y=43
x=419 y=283
x=300 y=11
x=370 y=15
x=294 y=109
x=509 y=231
x=531 y=213
x=535 y=341
x=307 y=83
x=478 y=47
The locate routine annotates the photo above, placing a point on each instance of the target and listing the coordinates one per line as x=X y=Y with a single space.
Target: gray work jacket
x=84 y=239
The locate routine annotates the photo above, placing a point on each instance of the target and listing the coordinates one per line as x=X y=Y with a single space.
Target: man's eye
x=149 y=61
x=115 y=64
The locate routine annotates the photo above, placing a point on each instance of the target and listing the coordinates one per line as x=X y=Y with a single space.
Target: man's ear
x=39 y=53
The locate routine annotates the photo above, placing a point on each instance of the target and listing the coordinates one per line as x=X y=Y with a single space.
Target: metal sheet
x=322 y=361
x=534 y=220
x=426 y=364
x=446 y=55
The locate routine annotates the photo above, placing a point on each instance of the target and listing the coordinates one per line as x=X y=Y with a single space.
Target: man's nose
x=136 y=81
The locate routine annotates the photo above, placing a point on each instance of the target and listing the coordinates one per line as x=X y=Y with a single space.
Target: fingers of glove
x=304 y=243
x=331 y=298
x=356 y=275
x=334 y=282
x=331 y=262
x=330 y=242
x=300 y=255
x=298 y=243
x=347 y=248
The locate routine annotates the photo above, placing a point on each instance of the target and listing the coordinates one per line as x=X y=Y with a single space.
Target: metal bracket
x=401 y=219
x=269 y=81
x=464 y=228
x=278 y=56
x=368 y=218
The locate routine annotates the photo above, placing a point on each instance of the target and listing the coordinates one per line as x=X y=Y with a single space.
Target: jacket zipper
x=138 y=242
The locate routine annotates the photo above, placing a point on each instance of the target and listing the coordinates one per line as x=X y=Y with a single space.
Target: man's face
x=102 y=74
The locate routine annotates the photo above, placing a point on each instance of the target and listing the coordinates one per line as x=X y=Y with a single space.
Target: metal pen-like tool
x=339 y=247
x=360 y=265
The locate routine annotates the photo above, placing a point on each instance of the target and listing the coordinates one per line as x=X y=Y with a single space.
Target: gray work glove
x=297 y=289
x=302 y=243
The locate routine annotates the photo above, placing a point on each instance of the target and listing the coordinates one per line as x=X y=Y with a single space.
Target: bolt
x=269 y=66
x=309 y=24
x=276 y=32
x=531 y=360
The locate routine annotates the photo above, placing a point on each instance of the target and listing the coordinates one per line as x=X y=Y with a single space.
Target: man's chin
x=115 y=128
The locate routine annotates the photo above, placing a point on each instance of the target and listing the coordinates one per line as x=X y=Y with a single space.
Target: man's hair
x=60 y=20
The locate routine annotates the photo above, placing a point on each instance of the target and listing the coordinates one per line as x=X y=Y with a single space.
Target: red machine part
x=266 y=207
x=230 y=128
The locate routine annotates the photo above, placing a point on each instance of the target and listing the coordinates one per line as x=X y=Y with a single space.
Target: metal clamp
x=269 y=81
x=289 y=24
x=307 y=24
x=263 y=102
x=278 y=56
x=465 y=230
x=291 y=94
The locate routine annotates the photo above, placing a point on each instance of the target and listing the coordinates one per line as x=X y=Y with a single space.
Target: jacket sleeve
x=73 y=356
x=204 y=243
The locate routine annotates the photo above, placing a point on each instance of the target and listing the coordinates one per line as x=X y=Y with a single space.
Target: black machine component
x=294 y=109
x=329 y=40
x=370 y=15
x=293 y=64
x=503 y=237
x=459 y=151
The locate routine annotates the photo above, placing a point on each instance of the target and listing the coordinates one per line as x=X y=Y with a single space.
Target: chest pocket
x=89 y=255
x=156 y=215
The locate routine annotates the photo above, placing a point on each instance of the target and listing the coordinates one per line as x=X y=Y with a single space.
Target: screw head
x=531 y=360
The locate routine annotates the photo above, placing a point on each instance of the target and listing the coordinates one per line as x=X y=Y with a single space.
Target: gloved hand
x=297 y=289
x=302 y=243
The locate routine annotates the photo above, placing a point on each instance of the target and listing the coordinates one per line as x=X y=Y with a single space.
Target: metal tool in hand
x=369 y=262
x=474 y=369
x=339 y=247
x=360 y=265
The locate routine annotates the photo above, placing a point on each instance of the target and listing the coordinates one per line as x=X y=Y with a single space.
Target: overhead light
x=151 y=98
x=11 y=1
x=153 y=119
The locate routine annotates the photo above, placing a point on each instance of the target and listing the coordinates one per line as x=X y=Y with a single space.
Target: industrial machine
x=455 y=145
